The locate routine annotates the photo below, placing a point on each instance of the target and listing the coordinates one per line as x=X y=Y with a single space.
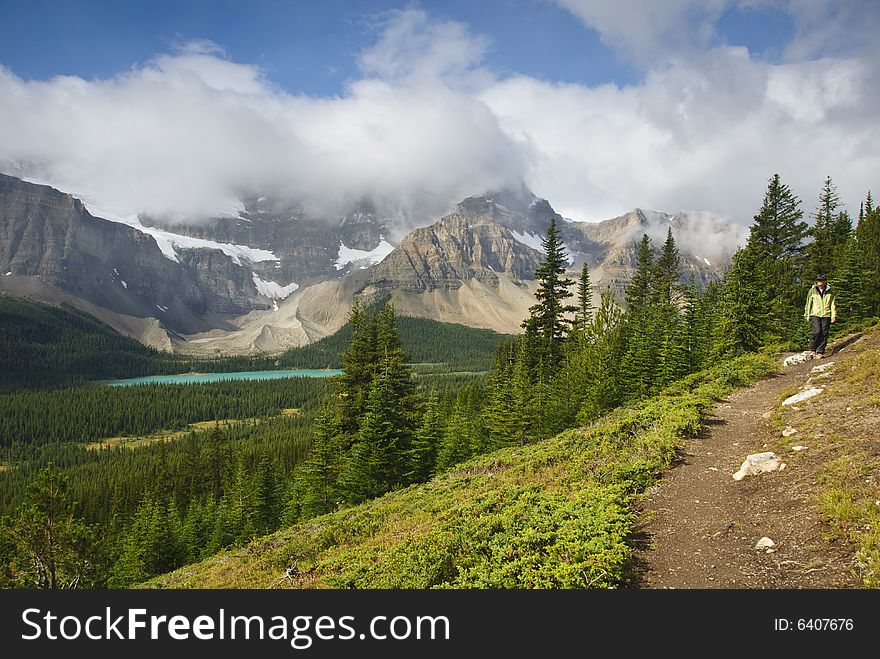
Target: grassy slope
x=843 y=435
x=554 y=514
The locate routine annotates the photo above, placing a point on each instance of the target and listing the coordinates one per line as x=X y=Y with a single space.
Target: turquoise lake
x=218 y=377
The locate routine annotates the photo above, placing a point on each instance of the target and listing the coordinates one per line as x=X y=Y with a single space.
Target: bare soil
x=699 y=527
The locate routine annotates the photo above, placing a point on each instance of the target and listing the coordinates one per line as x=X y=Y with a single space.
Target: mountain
x=276 y=276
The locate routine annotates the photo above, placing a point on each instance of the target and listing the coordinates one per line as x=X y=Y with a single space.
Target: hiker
x=820 y=311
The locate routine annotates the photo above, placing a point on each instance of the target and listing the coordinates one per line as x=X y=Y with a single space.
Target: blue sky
x=598 y=106
x=311 y=46
x=307 y=46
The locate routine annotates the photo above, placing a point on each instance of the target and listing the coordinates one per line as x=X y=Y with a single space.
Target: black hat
x=821 y=278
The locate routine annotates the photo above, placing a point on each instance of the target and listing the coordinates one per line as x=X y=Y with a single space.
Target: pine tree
x=776 y=247
x=830 y=231
x=778 y=231
x=742 y=317
x=459 y=437
x=322 y=468
x=547 y=320
x=584 y=315
x=376 y=464
x=868 y=237
x=851 y=286
x=603 y=392
x=423 y=455
x=638 y=292
x=666 y=272
x=359 y=364
x=48 y=545
x=266 y=500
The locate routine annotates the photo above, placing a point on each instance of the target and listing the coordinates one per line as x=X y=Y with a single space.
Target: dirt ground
x=699 y=526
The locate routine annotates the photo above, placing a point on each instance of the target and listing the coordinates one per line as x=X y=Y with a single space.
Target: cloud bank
x=427 y=123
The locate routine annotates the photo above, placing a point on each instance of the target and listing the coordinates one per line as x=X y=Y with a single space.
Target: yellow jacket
x=820 y=305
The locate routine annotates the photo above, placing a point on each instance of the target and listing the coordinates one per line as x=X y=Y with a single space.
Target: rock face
x=474 y=266
x=51 y=236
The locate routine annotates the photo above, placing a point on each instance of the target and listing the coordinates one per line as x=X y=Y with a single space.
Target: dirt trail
x=700 y=527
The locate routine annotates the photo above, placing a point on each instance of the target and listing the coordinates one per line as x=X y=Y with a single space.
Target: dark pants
x=821 y=327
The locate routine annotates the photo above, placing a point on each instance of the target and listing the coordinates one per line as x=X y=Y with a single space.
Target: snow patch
x=363 y=258
x=272 y=289
x=161 y=308
x=9 y=274
x=529 y=240
x=116 y=271
x=706 y=261
x=124 y=285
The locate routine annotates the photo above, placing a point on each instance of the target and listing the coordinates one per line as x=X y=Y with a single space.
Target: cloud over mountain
x=428 y=123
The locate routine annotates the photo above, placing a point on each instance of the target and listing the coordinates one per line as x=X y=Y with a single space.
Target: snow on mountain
x=273 y=290
x=167 y=241
x=363 y=259
x=530 y=240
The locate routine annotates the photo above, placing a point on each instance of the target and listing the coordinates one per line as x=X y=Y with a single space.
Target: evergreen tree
x=423 y=454
x=638 y=292
x=742 y=317
x=359 y=363
x=548 y=322
x=584 y=315
x=266 y=500
x=322 y=468
x=666 y=272
x=603 y=392
x=776 y=247
x=778 y=231
x=459 y=437
x=830 y=231
x=46 y=545
x=376 y=464
x=851 y=286
x=868 y=237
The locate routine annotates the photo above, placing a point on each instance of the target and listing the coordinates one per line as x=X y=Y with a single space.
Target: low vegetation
x=552 y=514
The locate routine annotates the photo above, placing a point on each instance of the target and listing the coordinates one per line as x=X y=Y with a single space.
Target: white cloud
x=427 y=124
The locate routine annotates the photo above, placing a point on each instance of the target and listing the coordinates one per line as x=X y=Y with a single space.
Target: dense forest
x=125 y=515
x=48 y=347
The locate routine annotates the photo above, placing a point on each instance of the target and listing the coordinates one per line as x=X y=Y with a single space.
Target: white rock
x=822 y=367
x=799 y=448
x=789 y=431
x=799 y=358
x=759 y=463
x=802 y=395
x=765 y=543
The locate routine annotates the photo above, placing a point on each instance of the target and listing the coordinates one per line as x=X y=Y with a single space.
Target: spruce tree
x=548 y=321
x=638 y=292
x=666 y=272
x=422 y=457
x=776 y=247
x=868 y=237
x=459 y=437
x=742 y=317
x=377 y=462
x=48 y=545
x=851 y=286
x=584 y=314
x=830 y=231
x=321 y=469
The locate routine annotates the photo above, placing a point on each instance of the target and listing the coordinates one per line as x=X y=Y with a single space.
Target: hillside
x=47 y=345
x=553 y=514
x=563 y=513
